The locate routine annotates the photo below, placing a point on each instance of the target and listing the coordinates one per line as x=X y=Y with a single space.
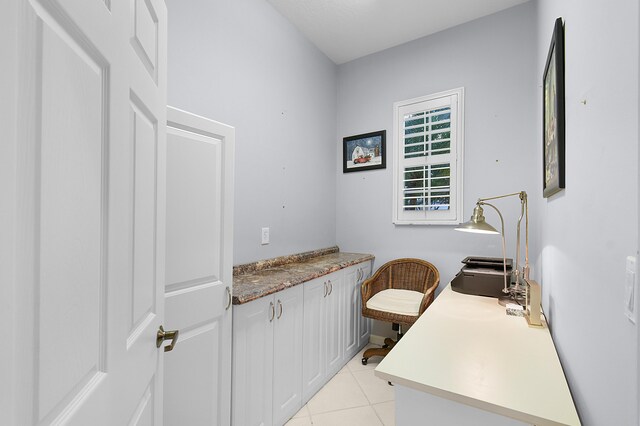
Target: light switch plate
x=630 y=309
x=265 y=236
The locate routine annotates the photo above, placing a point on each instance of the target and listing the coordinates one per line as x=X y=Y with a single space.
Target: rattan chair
x=399 y=292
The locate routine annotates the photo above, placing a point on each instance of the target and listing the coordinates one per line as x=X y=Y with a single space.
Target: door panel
x=333 y=320
x=195 y=306
x=144 y=144
x=364 y=323
x=71 y=243
x=143 y=415
x=287 y=358
x=314 y=355
x=351 y=329
x=145 y=35
x=252 y=362
x=195 y=191
x=191 y=377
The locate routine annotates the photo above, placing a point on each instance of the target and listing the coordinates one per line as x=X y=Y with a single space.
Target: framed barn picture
x=364 y=152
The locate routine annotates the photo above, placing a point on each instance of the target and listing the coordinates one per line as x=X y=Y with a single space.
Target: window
x=428 y=140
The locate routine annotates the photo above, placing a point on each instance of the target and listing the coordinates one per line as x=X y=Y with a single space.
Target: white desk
x=463 y=354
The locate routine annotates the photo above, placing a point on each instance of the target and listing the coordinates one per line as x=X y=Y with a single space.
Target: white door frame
x=8 y=196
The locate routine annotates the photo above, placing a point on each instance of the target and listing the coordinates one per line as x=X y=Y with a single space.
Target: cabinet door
x=364 y=324
x=334 y=322
x=351 y=297
x=253 y=362
x=313 y=353
x=287 y=354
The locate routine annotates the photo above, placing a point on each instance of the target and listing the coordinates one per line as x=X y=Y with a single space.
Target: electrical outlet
x=265 y=236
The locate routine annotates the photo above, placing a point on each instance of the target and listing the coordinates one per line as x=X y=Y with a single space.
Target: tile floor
x=353 y=397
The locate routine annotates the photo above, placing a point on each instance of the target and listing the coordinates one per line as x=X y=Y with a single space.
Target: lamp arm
x=517 y=271
x=523 y=197
x=504 y=248
x=523 y=213
x=502 y=196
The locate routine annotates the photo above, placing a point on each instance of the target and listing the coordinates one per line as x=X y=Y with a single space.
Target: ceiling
x=348 y=29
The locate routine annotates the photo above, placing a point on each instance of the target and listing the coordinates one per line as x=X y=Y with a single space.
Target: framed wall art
x=553 y=134
x=364 y=152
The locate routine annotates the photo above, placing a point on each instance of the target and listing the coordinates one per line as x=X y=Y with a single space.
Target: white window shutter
x=428 y=138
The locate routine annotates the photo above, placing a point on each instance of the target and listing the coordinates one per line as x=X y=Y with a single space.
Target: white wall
x=240 y=62
x=493 y=59
x=589 y=228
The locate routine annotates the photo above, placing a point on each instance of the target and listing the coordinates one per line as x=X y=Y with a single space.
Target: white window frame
x=453 y=216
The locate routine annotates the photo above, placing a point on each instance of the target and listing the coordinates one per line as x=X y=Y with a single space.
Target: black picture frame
x=553 y=115
x=364 y=152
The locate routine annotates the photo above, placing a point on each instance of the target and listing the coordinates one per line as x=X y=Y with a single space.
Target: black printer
x=482 y=276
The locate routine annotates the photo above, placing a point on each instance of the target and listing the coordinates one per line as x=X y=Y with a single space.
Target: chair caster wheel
x=390 y=384
x=364 y=361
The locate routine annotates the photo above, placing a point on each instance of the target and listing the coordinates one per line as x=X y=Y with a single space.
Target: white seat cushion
x=396 y=301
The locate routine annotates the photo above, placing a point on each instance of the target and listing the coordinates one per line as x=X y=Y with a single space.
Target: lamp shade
x=477 y=224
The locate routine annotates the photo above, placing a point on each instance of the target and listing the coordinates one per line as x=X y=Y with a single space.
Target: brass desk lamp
x=477 y=224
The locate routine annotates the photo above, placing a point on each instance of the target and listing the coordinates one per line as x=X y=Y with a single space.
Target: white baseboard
x=376 y=340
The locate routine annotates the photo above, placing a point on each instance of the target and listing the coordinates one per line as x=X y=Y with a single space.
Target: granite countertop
x=255 y=280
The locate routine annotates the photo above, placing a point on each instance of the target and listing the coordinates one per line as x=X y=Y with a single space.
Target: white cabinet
x=333 y=321
x=252 y=362
x=322 y=341
x=287 y=354
x=267 y=359
x=357 y=328
x=351 y=289
x=286 y=346
x=364 y=324
x=313 y=353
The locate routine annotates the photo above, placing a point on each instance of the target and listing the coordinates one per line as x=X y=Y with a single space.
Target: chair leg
x=386 y=348
x=374 y=352
x=389 y=343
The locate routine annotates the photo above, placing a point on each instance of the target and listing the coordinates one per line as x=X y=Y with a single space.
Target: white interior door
x=199 y=269
x=84 y=187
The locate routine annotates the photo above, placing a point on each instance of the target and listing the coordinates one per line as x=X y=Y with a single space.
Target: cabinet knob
x=330 y=287
x=280 y=307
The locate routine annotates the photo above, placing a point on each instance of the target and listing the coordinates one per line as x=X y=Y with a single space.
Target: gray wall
x=592 y=226
x=240 y=62
x=493 y=59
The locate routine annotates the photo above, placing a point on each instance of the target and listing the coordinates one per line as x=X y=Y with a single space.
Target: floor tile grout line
x=342 y=409
x=377 y=414
x=361 y=389
x=370 y=404
x=350 y=408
